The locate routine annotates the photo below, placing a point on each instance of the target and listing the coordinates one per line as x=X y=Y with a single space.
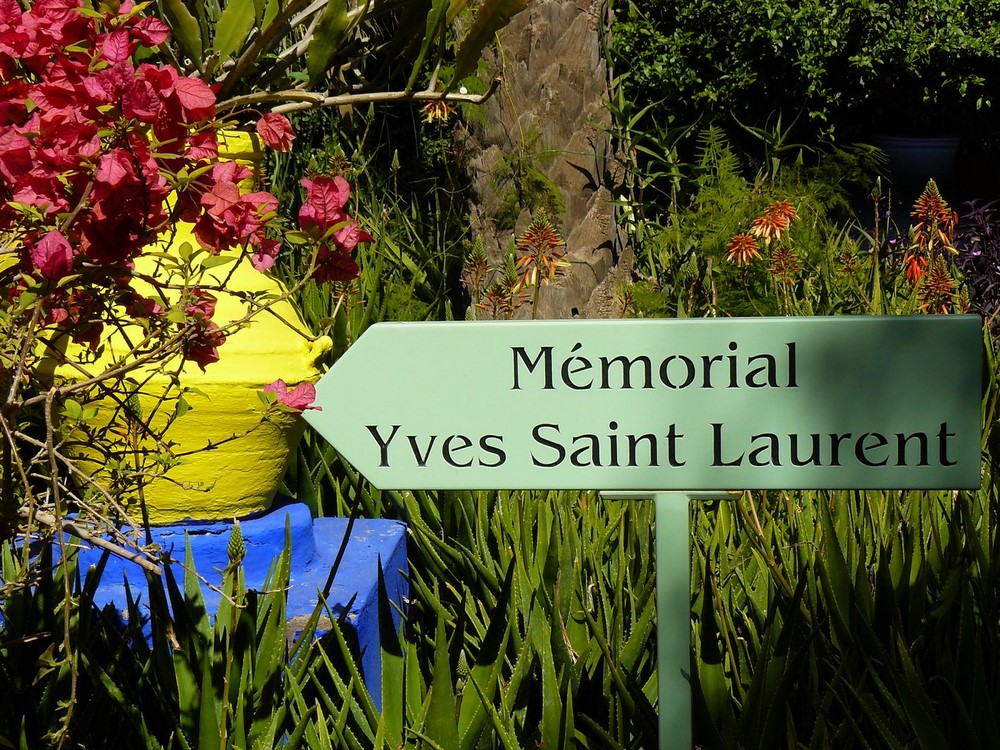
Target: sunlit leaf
x=327 y=39
x=234 y=27
x=185 y=29
x=492 y=16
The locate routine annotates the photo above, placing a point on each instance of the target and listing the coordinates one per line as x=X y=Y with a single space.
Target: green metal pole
x=673 y=619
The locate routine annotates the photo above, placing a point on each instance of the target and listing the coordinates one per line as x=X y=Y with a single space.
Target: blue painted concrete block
x=315 y=543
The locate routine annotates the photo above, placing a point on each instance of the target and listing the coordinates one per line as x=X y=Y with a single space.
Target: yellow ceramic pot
x=231 y=463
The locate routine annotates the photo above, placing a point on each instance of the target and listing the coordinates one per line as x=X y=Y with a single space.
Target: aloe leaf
x=442 y=725
x=712 y=683
x=325 y=738
x=504 y=730
x=185 y=29
x=633 y=700
x=775 y=675
x=487 y=669
x=305 y=721
x=413 y=689
x=392 y=668
x=835 y=578
x=191 y=650
x=330 y=33
x=353 y=695
x=234 y=27
x=126 y=705
x=874 y=717
x=917 y=703
x=605 y=739
x=193 y=608
x=238 y=733
x=272 y=639
x=964 y=734
x=209 y=720
x=436 y=19
x=552 y=704
x=307 y=489
x=362 y=706
x=340 y=725
x=492 y=16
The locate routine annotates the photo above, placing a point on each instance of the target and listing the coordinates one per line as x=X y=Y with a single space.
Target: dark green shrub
x=850 y=66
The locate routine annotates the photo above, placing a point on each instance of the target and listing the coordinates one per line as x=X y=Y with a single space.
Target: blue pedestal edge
x=315 y=543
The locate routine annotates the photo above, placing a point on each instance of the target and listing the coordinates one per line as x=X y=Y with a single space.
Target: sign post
x=673 y=608
x=661 y=409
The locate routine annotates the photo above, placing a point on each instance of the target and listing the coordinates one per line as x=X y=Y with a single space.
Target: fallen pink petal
x=300 y=398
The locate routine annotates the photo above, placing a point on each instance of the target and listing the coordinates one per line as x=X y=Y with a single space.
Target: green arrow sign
x=763 y=403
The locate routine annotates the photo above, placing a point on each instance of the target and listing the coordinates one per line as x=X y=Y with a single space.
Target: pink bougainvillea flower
x=87 y=332
x=115 y=167
x=15 y=155
x=118 y=46
x=56 y=92
x=233 y=218
x=52 y=256
x=276 y=131
x=265 y=251
x=261 y=205
x=94 y=137
x=299 y=398
x=324 y=204
x=204 y=145
x=82 y=313
x=151 y=31
x=197 y=100
x=138 y=306
x=203 y=342
x=202 y=307
x=221 y=199
x=347 y=238
x=231 y=171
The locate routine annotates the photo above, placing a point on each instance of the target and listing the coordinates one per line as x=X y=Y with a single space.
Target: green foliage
x=683 y=256
x=826 y=619
x=521 y=184
x=838 y=63
x=692 y=58
x=928 y=62
x=264 y=50
x=413 y=207
x=531 y=620
x=850 y=619
x=197 y=685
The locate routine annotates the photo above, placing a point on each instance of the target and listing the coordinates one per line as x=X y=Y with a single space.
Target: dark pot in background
x=915 y=159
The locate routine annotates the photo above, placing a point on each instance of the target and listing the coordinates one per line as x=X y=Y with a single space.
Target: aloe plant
x=546 y=601
x=851 y=619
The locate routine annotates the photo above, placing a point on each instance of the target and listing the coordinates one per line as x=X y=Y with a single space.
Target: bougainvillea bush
x=104 y=153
